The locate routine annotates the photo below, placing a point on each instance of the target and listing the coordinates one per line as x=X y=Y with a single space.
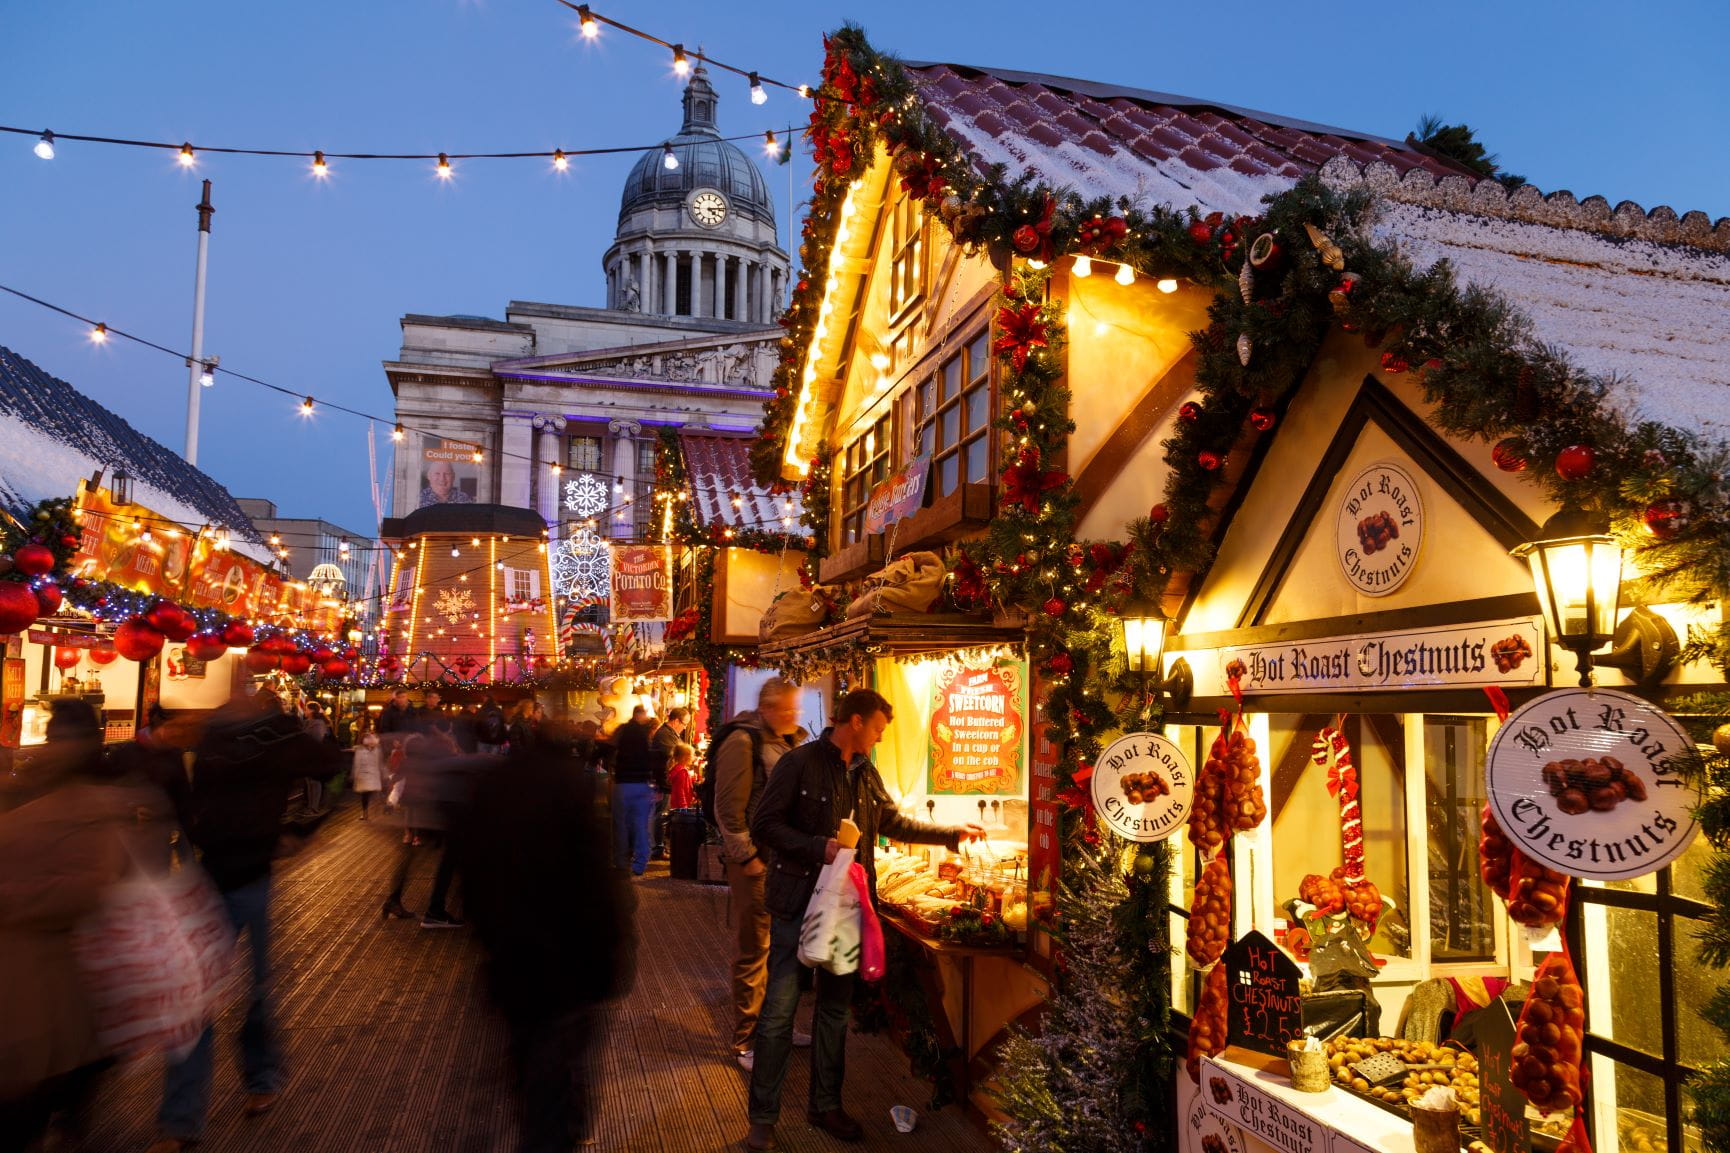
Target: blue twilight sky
x=308 y=280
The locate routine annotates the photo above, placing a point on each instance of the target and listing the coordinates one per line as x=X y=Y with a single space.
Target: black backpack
x=706 y=787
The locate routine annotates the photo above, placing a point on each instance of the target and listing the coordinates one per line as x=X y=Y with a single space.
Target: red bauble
x=296 y=663
x=1392 y=363
x=333 y=669
x=1261 y=419
x=259 y=661
x=351 y=654
x=48 y=598
x=18 y=607
x=1510 y=454
x=205 y=646
x=1025 y=239
x=237 y=635
x=1576 y=462
x=1209 y=460
x=1159 y=514
x=182 y=626
x=1189 y=411
x=66 y=658
x=1201 y=232
x=278 y=645
x=103 y=656
x=136 y=640
x=1665 y=519
x=323 y=654
x=1062 y=664
x=33 y=560
x=1054 y=607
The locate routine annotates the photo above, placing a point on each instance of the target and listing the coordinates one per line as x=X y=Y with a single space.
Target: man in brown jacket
x=744 y=752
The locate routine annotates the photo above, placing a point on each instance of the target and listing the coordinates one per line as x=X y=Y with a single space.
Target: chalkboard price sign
x=1501 y=1106
x=1265 y=1009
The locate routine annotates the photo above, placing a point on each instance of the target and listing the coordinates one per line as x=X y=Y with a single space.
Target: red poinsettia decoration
x=970 y=587
x=920 y=175
x=1019 y=332
x=1024 y=482
x=682 y=625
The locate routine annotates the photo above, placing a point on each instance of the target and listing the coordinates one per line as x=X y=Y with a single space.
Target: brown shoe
x=258 y=1104
x=760 y=1137
x=837 y=1124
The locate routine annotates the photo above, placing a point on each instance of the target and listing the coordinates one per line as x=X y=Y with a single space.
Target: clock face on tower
x=708 y=208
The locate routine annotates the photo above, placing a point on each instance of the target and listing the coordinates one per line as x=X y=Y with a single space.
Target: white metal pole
x=195 y=363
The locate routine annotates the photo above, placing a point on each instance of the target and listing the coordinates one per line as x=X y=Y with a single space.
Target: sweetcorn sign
x=1594 y=783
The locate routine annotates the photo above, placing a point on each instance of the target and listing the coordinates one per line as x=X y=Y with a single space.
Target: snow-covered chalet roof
x=719 y=467
x=1152 y=147
x=52 y=436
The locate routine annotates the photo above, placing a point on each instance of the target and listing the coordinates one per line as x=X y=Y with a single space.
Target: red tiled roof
x=1103 y=140
x=719 y=467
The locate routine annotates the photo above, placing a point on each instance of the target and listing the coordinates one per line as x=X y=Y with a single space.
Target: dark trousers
x=447 y=867
x=556 y=1063
x=774 y=1043
x=659 y=826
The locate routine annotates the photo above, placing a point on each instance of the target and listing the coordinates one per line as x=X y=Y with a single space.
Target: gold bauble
x=1721 y=739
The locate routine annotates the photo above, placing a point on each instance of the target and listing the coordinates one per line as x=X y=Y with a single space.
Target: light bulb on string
x=770 y=148
x=1167 y=285
x=478 y=456
x=99 y=334
x=1125 y=275
x=455 y=551
x=758 y=95
x=618 y=484
x=187 y=158
x=444 y=168
x=668 y=160
x=306 y=407
x=681 y=63
x=805 y=91
x=587 y=22
x=45 y=146
x=1083 y=266
x=319 y=168
x=559 y=161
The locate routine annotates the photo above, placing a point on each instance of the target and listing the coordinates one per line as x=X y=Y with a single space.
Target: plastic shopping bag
x=833 y=904
x=871 y=960
x=153 y=958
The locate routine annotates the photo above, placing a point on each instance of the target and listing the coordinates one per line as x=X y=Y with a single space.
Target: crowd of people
x=539 y=824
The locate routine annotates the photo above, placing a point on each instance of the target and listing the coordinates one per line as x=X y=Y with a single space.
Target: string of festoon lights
x=308 y=406
x=589 y=23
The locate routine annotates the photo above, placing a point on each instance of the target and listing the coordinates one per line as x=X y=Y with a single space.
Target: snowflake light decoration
x=586 y=495
x=455 y=605
x=582 y=569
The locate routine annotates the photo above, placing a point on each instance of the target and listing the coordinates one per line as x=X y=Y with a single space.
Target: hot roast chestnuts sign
x=1379 y=529
x=1593 y=783
x=1143 y=787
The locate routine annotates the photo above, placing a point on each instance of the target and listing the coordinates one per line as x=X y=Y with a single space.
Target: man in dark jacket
x=812 y=790
x=242 y=770
x=633 y=792
x=559 y=932
x=491 y=728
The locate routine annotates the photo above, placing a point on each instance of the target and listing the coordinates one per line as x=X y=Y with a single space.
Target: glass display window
x=1464 y=916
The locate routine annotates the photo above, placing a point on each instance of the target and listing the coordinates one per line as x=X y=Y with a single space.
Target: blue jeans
x=774 y=1043
x=186 y=1091
x=633 y=806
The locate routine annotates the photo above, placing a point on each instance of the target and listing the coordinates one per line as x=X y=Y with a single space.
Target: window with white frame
x=907 y=253
x=954 y=415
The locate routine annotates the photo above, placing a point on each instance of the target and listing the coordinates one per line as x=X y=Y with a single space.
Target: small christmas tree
x=1096 y=1076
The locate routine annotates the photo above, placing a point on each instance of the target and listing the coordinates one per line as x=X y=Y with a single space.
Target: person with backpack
x=491 y=729
x=741 y=756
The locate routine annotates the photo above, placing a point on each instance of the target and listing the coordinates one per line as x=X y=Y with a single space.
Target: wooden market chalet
x=1204 y=293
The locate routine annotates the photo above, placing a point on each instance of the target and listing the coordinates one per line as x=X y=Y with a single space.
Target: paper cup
x=1309 y=1068
x=904 y=1118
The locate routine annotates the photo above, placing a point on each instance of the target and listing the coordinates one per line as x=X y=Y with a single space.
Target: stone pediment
x=745 y=362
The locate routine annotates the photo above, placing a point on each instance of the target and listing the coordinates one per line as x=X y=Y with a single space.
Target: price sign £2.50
x=1265 y=1009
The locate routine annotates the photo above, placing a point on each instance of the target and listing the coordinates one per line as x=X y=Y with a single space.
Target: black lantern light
x=1577 y=573
x=120 y=485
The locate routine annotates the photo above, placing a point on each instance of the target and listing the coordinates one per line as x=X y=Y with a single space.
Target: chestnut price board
x=1501 y=1107
x=1264 y=1008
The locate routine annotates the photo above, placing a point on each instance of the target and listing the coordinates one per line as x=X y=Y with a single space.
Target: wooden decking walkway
x=391 y=1049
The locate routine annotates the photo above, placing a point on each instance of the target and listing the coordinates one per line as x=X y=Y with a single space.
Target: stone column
x=646 y=281
x=625 y=434
x=551 y=449
x=720 y=286
x=697 y=300
x=514 y=455
x=672 y=282
x=741 y=291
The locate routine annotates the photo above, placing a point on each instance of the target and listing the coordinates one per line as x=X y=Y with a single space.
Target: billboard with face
x=448 y=473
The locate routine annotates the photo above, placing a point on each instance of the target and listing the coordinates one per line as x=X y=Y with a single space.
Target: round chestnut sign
x=1591 y=782
x=1143 y=787
x=1379 y=529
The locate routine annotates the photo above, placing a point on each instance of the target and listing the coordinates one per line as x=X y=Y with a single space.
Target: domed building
x=697 y=236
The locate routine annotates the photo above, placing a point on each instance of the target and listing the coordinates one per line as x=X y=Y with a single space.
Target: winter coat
x=808 y=795
x=739 y=780
x=633 y=761
x=57 y=855
x=367 y=772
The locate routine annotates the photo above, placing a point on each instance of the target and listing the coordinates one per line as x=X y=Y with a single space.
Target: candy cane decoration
x=1331 y=750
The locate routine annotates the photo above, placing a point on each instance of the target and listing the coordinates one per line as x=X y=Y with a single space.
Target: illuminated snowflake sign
x=586 y=495
x=582 y=565
x=455 y=605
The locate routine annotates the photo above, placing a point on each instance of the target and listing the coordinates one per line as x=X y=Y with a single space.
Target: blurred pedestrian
x=741 y=755
x=366 y=773
x=557 y=927
x=396 y=717
x=812 y=790
x=633 y=792
x=492 y=730
x=667 y=737
x=438 y=783
x=83 y=823
x=242 y=769
x=525 y=722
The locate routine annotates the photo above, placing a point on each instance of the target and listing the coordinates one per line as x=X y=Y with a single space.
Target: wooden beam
x=1113 y=456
